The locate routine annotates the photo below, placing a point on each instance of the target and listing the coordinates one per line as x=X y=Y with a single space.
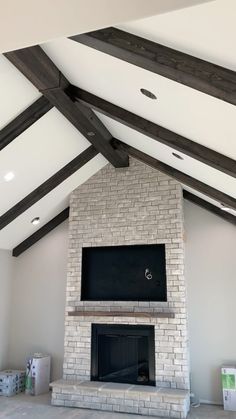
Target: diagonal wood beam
x=156 y=132
x=176 y=174
x=47 y=186
x=39 y=234
x=37 y=67
x=175 y=65
x=209 y=207
x=23 y=121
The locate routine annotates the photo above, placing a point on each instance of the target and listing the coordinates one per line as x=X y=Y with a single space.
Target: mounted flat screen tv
x=124 y=273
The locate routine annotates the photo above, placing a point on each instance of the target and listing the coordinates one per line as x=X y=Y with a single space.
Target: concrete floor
x=39 y=407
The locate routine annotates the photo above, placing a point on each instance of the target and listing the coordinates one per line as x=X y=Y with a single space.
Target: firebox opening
x=123 y=354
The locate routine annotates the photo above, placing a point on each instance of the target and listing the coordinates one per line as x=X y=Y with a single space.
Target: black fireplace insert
x=123 y=354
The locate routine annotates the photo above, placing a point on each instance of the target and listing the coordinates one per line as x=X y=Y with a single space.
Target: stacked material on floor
x=228 y=377
x=38 y=374
x=11 y=382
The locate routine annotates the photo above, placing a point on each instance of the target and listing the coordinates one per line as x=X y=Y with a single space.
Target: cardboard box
x=11 y=382
x=38 y=374
x=228 y=379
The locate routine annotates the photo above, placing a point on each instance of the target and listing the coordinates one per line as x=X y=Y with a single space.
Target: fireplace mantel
x=147 y=314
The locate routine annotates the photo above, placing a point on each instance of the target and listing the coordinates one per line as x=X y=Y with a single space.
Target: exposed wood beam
x=175 y=65
x=209 y=207
x=23 y=121
x=156 y=132
x=47 y=186
x=39 y=234
x=176 y=174
x=37 y=67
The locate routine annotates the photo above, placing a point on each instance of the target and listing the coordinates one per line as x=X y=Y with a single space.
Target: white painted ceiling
x=52 y=141
x=24 y=23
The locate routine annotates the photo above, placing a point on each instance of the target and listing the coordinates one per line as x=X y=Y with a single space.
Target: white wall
x=5 y=309
x=38 y=301
x=211 y=279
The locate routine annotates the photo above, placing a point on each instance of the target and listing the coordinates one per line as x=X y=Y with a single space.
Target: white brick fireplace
x=135 y=205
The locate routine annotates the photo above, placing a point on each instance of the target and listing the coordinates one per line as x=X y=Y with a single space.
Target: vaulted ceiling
x=25 y=23
x=206 y=31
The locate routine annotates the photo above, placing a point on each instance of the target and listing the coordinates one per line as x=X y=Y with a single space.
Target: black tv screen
x=124 y=273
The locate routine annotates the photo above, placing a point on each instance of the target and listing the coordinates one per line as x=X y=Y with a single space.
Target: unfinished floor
x=39 y=407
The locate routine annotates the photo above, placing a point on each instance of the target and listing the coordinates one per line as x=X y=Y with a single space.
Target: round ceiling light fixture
x=148 y=94
x=177 y=156
x=9 y=176
x=35 y=221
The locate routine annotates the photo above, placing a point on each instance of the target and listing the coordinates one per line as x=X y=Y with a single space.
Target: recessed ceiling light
x=148 y=94
x=91 y=133
x=9 y=176
x=177 y=156
x=35 y=221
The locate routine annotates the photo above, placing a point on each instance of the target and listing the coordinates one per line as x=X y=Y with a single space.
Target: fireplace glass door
x=123 y=354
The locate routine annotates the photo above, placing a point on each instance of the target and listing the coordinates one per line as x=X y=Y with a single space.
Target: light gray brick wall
x=135 y=205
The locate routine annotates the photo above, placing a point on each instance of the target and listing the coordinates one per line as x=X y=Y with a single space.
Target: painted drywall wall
x=38 y=301
x=211 y=281
x=5 y=307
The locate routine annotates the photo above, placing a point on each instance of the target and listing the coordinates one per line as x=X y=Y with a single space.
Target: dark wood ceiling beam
x=156 y=132
x=39 y=234
x=190 y=71
x=23 y=121
x=209 y=207
x=176 y=174
x=47 y=186
x=37 y=67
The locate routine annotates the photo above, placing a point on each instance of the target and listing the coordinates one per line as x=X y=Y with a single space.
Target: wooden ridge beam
x=176 y=174
x=209 y=207
x=156 y=132
x=47 y=186
x=39 y=234
x=37 y=67
x=190 y=71
x=23 y=121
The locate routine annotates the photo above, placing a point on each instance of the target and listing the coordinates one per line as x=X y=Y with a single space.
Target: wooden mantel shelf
x=147 y=314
